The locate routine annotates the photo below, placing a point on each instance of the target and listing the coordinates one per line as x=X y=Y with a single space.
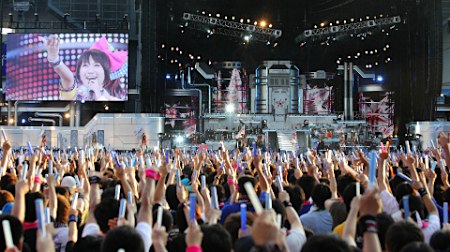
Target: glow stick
x=358 y=189
x=116 y=158
x=39 y=206
x=268 y=201
x=7 y=234
x=244 y=218
x=30 y=149
x=24 y=172
x=50 y=166
x=148 y=162
x=47 y=215
x=442 y=163
x=117 y=192
x=408 y=147
x=122 y=208
x=167 y=155
x=77 y=180
x=130 y=198
x=177 y=177
x=279 y=220
x=280 y=183
x=4 y=135
x=372 y=168
x=432 y=144
x=82 y=155
x=254 y=149
x=404 y=177
x=203 y=181
x=194 y=175
x=253 y=198
x=192 y=206
x=159 y=216
x=81 y=182
x=433 y=165
x=214 y=198
x=406 y=207
x=427 y=165
x=75 y=200
x=445 y=209
x=414 y=149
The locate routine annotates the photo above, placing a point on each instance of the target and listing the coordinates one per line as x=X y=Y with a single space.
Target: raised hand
x=51 y=43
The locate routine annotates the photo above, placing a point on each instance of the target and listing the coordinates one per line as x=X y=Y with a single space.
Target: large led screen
x=69 y=66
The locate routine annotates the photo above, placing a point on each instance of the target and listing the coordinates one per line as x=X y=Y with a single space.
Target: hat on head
x=69 y=182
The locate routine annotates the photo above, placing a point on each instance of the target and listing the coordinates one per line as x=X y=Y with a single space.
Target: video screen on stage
x=67 y=66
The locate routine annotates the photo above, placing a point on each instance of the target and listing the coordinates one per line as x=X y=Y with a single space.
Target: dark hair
x=90 y=243
x=171 y=196
x=112 y=86
x=215 y=239
x=7 y=180
x=64 y=191
x=415 y=205
x=440 y=240
x=319 y=194
x=167 y=219
x=417 y=247
x=349 y=193
x=338 y=213
x=326 y=242
x=402 y=233
x=244 y=179
x=107 y=209
x=124 y=237
x=306 y=182
x=30 y=210
x=296 y=195
x=401 y=190
x=384 y=221
x=16 y=231
x=233 y=223
x=343 y=181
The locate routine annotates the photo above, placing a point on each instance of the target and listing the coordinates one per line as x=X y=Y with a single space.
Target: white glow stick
x=253 y=198
x=279 y=220
x=4 y=135
x=408 y=147
x=159 y=216
x=122 y=208
x=81 y=182
x=39 y=207
x=203 y=181
x=50 y=166
x=214 y=198
x=117 y=192
x=358 y=188
x=47 y=215
x=427 y=164
x=130 y=198
x=75 y=200
x=268 y=201
x=7 y=233
x=24 y=172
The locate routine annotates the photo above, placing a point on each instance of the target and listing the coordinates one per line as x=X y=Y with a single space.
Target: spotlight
x=67 y=115
x=179 y=139
x=106 y=107
x=23 y=121
x=229 y=108
x=380 y=78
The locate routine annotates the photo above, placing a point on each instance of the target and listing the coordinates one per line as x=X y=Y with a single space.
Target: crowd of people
x=225 y=200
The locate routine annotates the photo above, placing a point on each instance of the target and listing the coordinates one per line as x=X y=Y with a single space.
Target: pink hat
x=117 y=59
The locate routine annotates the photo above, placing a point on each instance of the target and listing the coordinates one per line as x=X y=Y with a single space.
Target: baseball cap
x=69 y=182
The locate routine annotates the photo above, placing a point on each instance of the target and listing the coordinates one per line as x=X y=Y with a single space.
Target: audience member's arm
x=381 y=174
x=291 y=214
x=52 y=199
x=349 y=231
x=194 y=237
x=18 y=209
x=159 y=238
x=368 y=209
x=73 y=229
x=161 y=186
x=424 y=194
x=6 y=147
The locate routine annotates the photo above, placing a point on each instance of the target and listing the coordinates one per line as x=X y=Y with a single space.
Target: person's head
x=326 y=242
x=215 y=239
x=402 y=233
x=88 y=243
x=106 y=210
x=93 y=68
x=417 y=247
x=123 y=237
x=30 y=210
x=401 y=190
x=69 y=183
x=16 y=232
x=384 y=221
x=62 y=214
x=233 y=223
x=338 y=213
x=7 y=180
x=167 y=219
x=415 y=205
x=306 y=182
x=244 y=179
x=296 y=195
x=171 y=196
x=440 y=240
x=5 y=197
x=319 y=194
x=349 y=193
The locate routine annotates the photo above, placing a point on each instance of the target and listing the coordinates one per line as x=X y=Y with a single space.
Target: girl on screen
x=99 y=72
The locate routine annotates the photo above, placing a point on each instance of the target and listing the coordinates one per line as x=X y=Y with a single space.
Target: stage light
x=352 y=19
x=23 y=121
x=11 y=121
x=163 y=46
x=345 y=21
x=67 y=115
x=233 y=18
x=315 y=26
x=229 y=108
x=209 y=14
x=218 y=15
x=270 y=25
x=226 y=18
x=167 y=76
x=387 y=45
x=106 y=107
x=248 y=20
x=242 y=20
x=337 y=21
x=247 y=38
x=322 y=24
x=380 y=78
x=263 y=23
x=255 y=23
x=179 y=139
x=203 y=12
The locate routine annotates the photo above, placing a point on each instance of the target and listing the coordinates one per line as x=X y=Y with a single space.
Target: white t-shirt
x=434 y=224
x=61 y=238
x=389 y=203
x=296 y=239
x=91 y=229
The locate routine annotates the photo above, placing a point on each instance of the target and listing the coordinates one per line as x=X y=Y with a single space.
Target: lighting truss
x=326 y=31
x=230 y=28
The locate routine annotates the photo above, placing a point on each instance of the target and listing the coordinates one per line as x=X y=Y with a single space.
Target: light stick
x=122 y=208
x=268 y=201
x=406 y=207
x=47 y=215
x=408 y=147
x=24 y=172
x=253 y=198
x=159 y=216
x=279 y=220
x=372 y=168
x=75 y=200
x=445 y=209
x=39 y=206
x=192 y=206
x=117 y=192
x=214 y=198
x=130 y=198
x=4 y=135
x=358 y=188
x=203 y=181
x=7 y=234
x=404 y=177
x=244 y=218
